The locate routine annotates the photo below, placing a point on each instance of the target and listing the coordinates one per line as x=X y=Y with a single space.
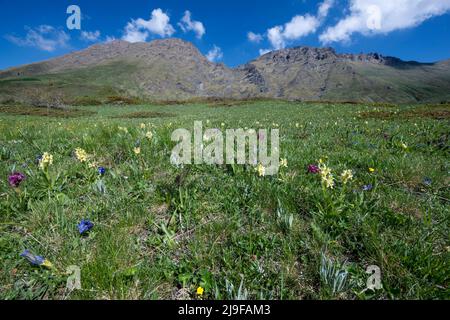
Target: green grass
x=160 y=231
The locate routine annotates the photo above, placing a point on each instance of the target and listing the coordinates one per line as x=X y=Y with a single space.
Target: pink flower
x=314 y=169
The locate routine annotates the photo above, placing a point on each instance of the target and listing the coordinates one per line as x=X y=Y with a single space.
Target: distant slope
x=321 y=74
x=175 y=69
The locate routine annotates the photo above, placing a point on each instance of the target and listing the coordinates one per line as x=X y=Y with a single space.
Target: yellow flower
x=137 y=150
x=142 y=125
x=261 y=170
x=284 y=163
x=47 y=264
x=404 y=145
x=46 y=160
x=81 y=155
x=123 y=129
x=200 y=291
x=371 y=170
x=328 y=181
x=149 y=135
x=347 y=175
x=324 y=170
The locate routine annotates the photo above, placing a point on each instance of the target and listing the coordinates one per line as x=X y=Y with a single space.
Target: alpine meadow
x=95 y=204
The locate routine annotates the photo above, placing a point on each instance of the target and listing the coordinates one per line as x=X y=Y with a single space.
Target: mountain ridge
x=176 y=69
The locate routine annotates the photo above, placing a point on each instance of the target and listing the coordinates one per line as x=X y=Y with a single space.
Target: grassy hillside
x=172 y=69
x=161 y=232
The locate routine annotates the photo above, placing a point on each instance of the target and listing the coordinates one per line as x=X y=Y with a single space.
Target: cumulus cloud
x=254 y=37
x=187 y=24
x=299 y=26
x=90 y=36
x=44 y=37
x=324 y=8
x=379 y=16
x=215 y=54
x=140 y=29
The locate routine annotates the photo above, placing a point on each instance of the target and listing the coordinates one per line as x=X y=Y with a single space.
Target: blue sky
x=418 y=30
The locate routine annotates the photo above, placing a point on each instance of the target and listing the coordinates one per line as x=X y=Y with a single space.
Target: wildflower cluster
x=16 y=179
x=327 y=176
x=45 y=161
x=81 y=155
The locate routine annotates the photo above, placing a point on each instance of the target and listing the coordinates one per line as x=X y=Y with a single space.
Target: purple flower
x=101 y=171
x=367 y=187
x=16 y=179
x=314 y=169
x=85 y=226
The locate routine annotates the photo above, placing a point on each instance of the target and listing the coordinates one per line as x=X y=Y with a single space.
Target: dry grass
x=144 y=114
x=44 y=112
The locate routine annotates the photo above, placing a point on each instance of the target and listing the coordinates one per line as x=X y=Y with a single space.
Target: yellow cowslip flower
x=137 y=150
x=328 y=181
x=200 y=291
x=284 y=163
x=149 y=135
x=123 y=129
x=261 y=170
x=142 y=125
x=81 y=155
x=371 y=170
x=324 y=170
x=347 y=175
x=46 y=160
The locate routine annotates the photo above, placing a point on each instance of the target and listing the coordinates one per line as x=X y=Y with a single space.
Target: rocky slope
x=175 y=69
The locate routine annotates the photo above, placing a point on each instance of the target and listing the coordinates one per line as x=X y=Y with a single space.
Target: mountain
x=173 y=69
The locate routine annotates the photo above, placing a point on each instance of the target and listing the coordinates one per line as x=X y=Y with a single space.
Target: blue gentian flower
x=85 y=226
x=101 y=171
x=36 y=260
x=367 y=187
x=33 y=259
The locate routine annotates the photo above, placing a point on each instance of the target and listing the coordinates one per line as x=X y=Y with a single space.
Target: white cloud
x=264 y=51
x=324 y=8
x=110 y=39
x=90 y=36
x=254 y=37
x=215 y=54
x=186 y=24
x=43 y=37
x=140 y=29
x=379 y=16
x=299 y=26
